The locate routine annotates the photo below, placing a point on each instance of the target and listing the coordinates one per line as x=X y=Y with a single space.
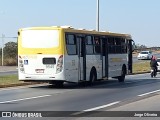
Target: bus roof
x=80 y=30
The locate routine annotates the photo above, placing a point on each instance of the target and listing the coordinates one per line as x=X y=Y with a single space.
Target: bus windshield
x=40 y=38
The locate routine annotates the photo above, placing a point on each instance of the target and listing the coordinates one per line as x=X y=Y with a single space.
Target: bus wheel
x=57 y=83
x=123 y=73
x=93 y=75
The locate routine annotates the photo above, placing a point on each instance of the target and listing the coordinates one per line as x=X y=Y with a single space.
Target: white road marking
x=148 y=93
x=22 y=99
x=100 y=107
x=96 y=108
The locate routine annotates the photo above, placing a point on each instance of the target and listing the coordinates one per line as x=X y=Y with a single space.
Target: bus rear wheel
x=123 y=73
x=93 y=76
x=57 y=83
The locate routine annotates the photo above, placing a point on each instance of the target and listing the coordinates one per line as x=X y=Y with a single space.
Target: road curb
x=19 y=84
x=139 y=73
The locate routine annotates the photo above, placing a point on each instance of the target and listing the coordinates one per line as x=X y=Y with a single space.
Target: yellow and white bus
x=61 y=54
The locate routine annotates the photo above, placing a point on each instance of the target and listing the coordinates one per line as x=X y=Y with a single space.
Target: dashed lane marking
x=149 y=93
x=22 y=99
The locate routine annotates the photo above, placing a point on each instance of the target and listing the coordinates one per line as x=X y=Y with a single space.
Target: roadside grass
x=11 y=81
x=8 y=80
x=140 y=67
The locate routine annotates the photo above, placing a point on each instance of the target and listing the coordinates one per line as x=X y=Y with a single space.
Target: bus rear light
x=22 y=69
x=20 y=61
x=59 y=64
x=20 y=57
x=21 y=64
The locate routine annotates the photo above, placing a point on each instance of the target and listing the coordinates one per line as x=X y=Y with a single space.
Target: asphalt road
x=8 y=73
x=135 y=94
x=8 y=70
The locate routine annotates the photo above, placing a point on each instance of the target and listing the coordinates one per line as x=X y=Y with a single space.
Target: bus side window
x=111 y=46
x=104 y=45
x=81 y=48
x=89 y=45
x=71 y=44
x=124 y=45
x=97 y=47
x=118 y=45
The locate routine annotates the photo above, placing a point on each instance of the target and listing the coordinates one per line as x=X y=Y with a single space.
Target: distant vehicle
x=144 y=55
x=158 y=67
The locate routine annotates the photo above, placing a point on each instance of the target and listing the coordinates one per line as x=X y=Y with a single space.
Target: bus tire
x=93 y=76
x=123 y=74
x=57 y=83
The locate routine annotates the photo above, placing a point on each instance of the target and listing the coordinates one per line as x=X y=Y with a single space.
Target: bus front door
x=81 y=58
x=130 y=50
x=104 y=58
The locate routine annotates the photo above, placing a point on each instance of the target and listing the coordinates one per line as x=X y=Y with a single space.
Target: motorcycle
x=153 y=72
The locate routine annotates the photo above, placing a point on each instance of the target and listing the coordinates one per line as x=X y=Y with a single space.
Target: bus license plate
x=39 y=70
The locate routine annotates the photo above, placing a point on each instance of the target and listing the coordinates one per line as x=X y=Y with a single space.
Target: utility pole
x=97 y=16
x=2 y=46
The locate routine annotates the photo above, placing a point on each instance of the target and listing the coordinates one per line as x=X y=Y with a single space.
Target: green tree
x=10 y=50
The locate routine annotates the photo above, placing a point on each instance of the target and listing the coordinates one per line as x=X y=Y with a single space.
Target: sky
x=140 y=18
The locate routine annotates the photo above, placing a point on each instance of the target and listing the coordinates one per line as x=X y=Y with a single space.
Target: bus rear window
x=40 y=38
x=49 y=61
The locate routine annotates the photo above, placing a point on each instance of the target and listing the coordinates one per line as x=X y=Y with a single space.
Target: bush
x=10 y=54
x=10 y=50
x=10 y=62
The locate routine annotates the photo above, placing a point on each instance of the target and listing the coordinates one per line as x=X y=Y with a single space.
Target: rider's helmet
x=153 y=57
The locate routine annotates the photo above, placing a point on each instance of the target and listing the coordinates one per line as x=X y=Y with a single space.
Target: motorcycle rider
x=154 y=64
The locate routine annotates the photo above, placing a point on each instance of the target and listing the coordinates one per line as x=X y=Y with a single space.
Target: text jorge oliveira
x=145 y=114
